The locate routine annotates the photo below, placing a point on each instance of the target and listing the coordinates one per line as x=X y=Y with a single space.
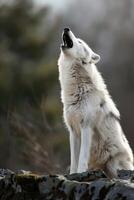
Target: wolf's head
x=76 y=48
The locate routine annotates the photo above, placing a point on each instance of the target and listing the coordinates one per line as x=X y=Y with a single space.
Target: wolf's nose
x=66 y=29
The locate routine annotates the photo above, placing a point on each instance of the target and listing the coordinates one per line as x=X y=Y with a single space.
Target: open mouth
x=67 y=41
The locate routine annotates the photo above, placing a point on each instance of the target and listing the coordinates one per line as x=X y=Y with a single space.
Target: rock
x=90 y=185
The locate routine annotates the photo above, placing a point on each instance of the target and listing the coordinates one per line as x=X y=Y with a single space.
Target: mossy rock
x=90 y=185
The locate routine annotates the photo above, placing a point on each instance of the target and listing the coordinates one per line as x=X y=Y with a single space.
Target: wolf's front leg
x=85 y=150
x=74 y=150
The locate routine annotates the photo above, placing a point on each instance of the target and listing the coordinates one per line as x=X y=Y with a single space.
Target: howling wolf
x=96 y=137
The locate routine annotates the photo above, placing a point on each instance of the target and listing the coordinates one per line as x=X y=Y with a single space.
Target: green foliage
x=28 y=86
x=23 y=50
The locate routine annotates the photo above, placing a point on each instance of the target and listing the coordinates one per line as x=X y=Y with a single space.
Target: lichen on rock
x=90 y=185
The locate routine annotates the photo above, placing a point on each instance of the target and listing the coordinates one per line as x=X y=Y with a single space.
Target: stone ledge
x=91 y=185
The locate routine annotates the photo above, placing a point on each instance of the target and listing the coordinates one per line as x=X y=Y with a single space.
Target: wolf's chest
x=79 y=95
x=81 y=110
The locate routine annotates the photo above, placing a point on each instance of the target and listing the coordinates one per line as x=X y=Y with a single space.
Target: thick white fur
x=96 y=137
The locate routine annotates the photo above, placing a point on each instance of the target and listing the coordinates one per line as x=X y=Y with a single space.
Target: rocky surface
x=91 y=185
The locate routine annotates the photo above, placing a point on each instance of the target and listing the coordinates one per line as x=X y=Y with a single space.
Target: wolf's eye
x=79 y=42
x=83 y=62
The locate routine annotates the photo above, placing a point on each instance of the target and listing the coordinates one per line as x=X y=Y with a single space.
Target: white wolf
x=96 y=137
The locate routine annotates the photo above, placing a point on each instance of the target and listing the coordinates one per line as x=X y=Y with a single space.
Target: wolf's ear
x=95 y=58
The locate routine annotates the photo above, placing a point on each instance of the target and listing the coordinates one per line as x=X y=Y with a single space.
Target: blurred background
x=32 y=132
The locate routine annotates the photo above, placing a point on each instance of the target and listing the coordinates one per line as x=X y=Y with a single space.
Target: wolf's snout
x=66 y=38
x=66 y=29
